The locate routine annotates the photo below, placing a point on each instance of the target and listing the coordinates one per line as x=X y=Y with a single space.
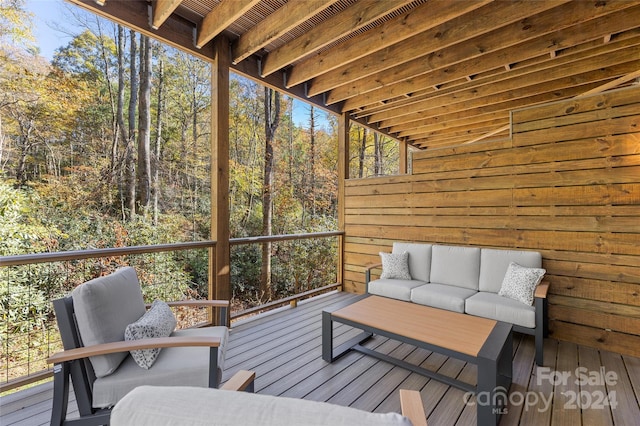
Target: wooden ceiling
x=433 y=73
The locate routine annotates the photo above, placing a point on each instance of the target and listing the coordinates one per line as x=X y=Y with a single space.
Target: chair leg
x=214 y=374
x=60 y=393
x=542 y=328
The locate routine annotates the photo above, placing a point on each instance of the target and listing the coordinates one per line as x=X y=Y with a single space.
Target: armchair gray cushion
x=96 y=301
x=175 y=366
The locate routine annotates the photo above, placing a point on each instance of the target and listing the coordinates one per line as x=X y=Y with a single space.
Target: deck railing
x=28 y=284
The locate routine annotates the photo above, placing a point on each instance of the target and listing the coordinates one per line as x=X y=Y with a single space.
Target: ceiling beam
x=162 y=9
x=589 y=70
x=451 y=32
x=447 y=70
x=275 y=25
x=398 y=29
x=352 y=19
x=216 y=21
x=520 y=74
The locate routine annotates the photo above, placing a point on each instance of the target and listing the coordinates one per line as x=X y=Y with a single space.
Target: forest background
x=107 y=144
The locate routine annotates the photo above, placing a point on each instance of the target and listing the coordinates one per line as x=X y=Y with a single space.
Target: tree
x=271 y=122
x=143 y=190
x=129 y=198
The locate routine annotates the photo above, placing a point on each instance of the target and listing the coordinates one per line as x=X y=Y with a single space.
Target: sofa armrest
x=367 y=271
x=412 y=407
x=130 y=345
x=541 y=290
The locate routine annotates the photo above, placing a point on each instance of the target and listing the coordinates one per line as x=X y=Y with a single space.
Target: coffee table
x=484 y=342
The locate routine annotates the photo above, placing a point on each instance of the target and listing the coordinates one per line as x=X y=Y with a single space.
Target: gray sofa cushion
x=494 y=264
x=457 y=266
x=419 y=259
x=182 y=406
x=104 y=307
x=395 y=289
x=193 y=371
x=490 y=305
x=441 y=296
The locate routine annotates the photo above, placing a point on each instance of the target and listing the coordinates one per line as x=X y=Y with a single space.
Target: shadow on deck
x=578 y=385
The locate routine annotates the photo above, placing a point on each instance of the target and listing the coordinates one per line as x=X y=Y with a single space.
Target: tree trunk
x=156 y=163
x=312 y=160
x=121 y=133
x=143 y=190
x=361 y=152
x=377 y=144
x=271 y=121
x=1 y=147
x=130 y=169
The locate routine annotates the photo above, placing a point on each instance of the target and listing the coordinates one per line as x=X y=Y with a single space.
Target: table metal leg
x=327 y=337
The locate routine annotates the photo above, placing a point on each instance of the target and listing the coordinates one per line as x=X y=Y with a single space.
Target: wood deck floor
x=284 y=348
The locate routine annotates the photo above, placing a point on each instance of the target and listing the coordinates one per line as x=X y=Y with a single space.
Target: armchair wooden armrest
x=197 y=303
x=541 y=290
x=241 y=381
x=412 y=407
x=129 y=345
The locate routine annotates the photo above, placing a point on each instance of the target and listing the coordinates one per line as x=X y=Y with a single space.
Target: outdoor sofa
x=503 y=285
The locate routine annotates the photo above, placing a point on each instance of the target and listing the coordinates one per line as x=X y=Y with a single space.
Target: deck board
x=284 y=348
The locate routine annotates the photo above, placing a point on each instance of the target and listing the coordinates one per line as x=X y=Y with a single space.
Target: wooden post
x=219 y=259
x=343 y=175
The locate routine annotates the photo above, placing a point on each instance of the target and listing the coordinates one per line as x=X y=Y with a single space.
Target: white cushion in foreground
x=181 y=406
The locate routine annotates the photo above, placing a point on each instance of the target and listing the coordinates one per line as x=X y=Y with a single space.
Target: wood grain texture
x=567 y=184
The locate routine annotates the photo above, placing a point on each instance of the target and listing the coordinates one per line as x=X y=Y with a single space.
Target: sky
x=53 y=28
x=49 y=15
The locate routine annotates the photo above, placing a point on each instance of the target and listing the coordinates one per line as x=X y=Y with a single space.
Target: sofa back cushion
x=494 y=264
x=419 y=259
x=457 y=266
x=104 y=307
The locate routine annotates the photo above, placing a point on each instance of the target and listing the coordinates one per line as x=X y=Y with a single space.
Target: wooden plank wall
x=567 y=183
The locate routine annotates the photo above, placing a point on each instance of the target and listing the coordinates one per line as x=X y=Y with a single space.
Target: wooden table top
x=450 y=330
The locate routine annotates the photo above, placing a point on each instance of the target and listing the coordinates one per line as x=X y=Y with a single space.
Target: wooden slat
x=543 y=71
x=162 y=9
x=350 y=20
x=441 y=68
x=216 y=21
x=417 y=20
x=627 y=409
x=449 y=33
x=275 y=25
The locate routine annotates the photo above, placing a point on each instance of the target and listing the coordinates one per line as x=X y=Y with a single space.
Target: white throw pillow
x=158 y=321
x=519 y=283
x=395 y=266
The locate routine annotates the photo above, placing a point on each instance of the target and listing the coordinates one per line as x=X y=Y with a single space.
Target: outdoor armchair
x=104 y=365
